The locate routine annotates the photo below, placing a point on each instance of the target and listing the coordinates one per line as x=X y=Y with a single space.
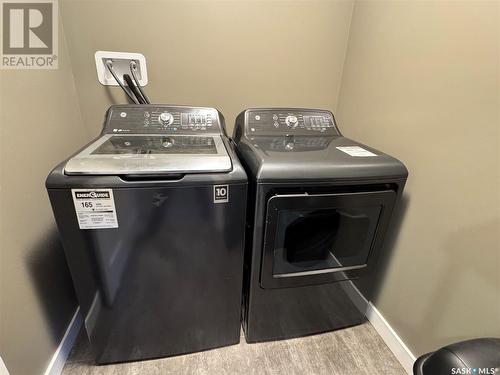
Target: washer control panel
x=154 y=118
x=290 y=121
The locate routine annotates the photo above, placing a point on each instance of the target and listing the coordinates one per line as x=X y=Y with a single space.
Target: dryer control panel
x=273 y=121
x=162 y=119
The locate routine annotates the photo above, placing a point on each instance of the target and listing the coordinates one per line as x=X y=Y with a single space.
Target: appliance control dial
x=167 y=142
x=165 y=118
x=291 y=121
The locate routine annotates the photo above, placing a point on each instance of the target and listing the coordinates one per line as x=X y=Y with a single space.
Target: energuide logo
x=474 y=371
x=92 y=194
x=29 y=34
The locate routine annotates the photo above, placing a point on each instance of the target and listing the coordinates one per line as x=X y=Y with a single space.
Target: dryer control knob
x=291 y=121
x=166 y=118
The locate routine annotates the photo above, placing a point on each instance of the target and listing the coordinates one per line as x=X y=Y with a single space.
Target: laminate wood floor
x=356 y=350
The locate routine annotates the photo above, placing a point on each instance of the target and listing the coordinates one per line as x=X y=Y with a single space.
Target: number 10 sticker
x=221 y=193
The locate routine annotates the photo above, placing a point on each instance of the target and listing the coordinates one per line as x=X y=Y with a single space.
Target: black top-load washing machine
x=319 y=207
x=151 y=217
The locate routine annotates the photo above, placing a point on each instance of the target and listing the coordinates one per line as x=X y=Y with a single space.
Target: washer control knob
x=291 y=121
x=167 y=142
x=166 y=118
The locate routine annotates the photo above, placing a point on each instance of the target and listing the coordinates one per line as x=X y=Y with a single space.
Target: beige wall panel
x=421 y=82
x=227 y=54
x=40 y=125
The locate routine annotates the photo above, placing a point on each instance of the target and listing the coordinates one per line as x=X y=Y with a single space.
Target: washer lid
x=151 y=154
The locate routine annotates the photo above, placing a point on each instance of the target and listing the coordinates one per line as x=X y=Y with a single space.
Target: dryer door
x=314 y=239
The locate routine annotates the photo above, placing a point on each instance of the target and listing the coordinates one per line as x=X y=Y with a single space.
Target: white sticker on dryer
x=356 y=151
x=95 y=208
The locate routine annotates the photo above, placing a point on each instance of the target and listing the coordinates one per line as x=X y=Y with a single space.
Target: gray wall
x=227 y=54
x=40 y=124
x=421 y=82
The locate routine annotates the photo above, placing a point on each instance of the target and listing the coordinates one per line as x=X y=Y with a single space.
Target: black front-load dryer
x=319 y=207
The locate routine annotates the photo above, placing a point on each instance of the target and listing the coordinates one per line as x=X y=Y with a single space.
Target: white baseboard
x=60 y=356
x=391 y=338
x=3 y=368
x=383 y=328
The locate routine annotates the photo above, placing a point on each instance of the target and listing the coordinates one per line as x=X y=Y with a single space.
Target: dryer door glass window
x=319 y=239
x=312 y=239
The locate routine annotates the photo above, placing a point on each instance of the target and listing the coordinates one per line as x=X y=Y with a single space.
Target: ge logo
x=221 y=193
